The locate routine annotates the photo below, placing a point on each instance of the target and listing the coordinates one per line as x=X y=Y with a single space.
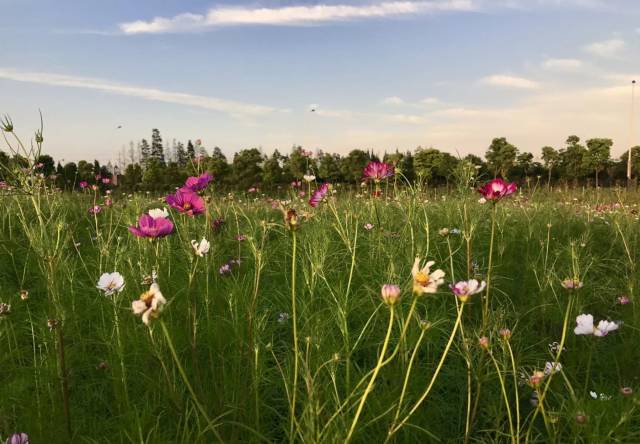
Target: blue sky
x=381 y=74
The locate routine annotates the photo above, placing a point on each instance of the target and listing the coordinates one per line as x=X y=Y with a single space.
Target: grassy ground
x=233 y=334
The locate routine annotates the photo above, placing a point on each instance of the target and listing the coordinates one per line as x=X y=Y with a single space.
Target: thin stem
x=369 y=388
x=392 y=431
x=504 y=395
x=515 y=388
x=485 y=312
x=295 y=337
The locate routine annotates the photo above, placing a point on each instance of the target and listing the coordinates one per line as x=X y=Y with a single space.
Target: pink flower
x=319 y=194
x=623 y=300
x=106 y=180
x=83 y=184
x=296 y=184
x=95 y=209
x=496 y=189
x=186 y=201
x=152 y=228
x=465 y=289
x=197 y=183
x=301 y=194
x=378 y=171
x=252 y=190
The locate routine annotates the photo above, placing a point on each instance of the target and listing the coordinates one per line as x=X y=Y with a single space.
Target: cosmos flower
x=584 y=326
x=378 y=171
x=18 y=438
x=152 y=228
x=390 y=294
x=552 y=367
x=368 y=226
x=464 y=289
x=201 y=248
x=496 y=189
x=623 y=300
x=111 y=283
x=186 y=201
x=198 y=183
x=158 y=213
x=96 y=209
x=423 y=280
x=217 y=224
x=572 y=284
x=83 y=184
x=150 y=304
x=309 y=177
x=319 y=194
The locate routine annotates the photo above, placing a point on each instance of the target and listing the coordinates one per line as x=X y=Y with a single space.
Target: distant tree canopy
x=159 y=166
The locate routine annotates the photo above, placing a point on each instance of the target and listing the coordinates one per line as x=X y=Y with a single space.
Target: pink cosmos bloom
x=83 y=184
x=106 y=180
x=464 y=289
x=296 y=184
x=94 y=187
x=252 y=190
x=368 y=226
x=378 y=171
x=496 y=189
x=197 y=183
x=623 y=300
x=186 y=201
x=152 y=228
x=3 y=185
x=96 y=209
x=319 y=194
x=301 y=194
x=18 y=438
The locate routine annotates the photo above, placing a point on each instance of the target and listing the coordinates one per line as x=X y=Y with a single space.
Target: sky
x=378 y=74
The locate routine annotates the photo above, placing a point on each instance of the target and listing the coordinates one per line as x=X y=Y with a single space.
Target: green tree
x=247 y=168
x=572 y=159
x=217 y=165
x=132 y=178
x=153 y=177
x=353 y=165
x=329 y=167
x=181 y=155
x=297 y=163
x=145 y=151
x=598 y=155
x=551 y=159
x=501 y=156
x=272 y=170
x=157 y=150
x=191 y=150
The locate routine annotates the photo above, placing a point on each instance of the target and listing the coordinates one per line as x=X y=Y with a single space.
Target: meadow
x=275 y=318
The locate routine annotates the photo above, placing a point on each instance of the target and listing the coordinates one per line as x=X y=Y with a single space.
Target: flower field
x=387 y=314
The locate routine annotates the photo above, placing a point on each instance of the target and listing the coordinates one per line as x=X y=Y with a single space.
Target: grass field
x=231 y=358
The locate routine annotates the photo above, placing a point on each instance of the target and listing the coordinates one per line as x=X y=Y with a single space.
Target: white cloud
x=509 y=81
x=406 y=119
x=394 y=100
x=289 y=15
x=606 y=48
x=562 y=64
x=233 y=108
x=430 y=101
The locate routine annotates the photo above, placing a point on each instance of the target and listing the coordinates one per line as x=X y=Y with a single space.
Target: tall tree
x=353 y=165
x=551 y=158
x=572 y=159
x=329 y=167
x=272 y=170
x=157 y=151
x=217 y=165
x=501 y=156
x=145 y=151
x=191 y=150
x=598 y=155
x=181 y=155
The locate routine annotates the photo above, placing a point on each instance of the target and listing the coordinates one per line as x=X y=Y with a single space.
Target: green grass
x=124 y=386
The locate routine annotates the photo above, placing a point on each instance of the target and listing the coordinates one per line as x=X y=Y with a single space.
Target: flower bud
x=505 y=334
x=390 y=294
x=484 y=342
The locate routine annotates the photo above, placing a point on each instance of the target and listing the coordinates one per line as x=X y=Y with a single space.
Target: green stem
x=295 y=337
x=485 y=311
x=504 y=395
x=369 y=388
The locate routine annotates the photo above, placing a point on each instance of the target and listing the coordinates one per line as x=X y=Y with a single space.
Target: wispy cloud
x=562 y=64
x=233 y=108
x=430 y=101
x=509 y=81
x=393 y=100
x=289 y=15
x=606 y=48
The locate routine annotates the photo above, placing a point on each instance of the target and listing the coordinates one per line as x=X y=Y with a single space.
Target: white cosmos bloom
x=111 y=283
x=309 y=177
x=423 y=280
x=552 y=367
x=150 y=304
x=584 y=326
x=158 y=212
x=201 y=248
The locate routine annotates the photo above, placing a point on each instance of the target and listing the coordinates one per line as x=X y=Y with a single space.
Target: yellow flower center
x=187 y=206
x=422 y=278
x=147 y=297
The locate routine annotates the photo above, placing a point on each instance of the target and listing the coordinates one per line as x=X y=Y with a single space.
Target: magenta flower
x=496 y=189
x=186 y=201
x=198 y=183
x=96 y=209
x=152 y=228
x=319 y=194
x=83 y=184
x=106 y=180
x=378 y=171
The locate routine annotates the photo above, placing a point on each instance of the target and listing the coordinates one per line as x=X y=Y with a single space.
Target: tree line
x=156 y=166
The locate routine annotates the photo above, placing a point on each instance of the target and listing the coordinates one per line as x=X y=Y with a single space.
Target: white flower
x=584 y=326
x=159 y=212
x=552 y=367
x=482 y=200
x=111 y=283
x=150 y=304
x=593 y=394
x=201 y=248
x=309 y=177
x=423 y=280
